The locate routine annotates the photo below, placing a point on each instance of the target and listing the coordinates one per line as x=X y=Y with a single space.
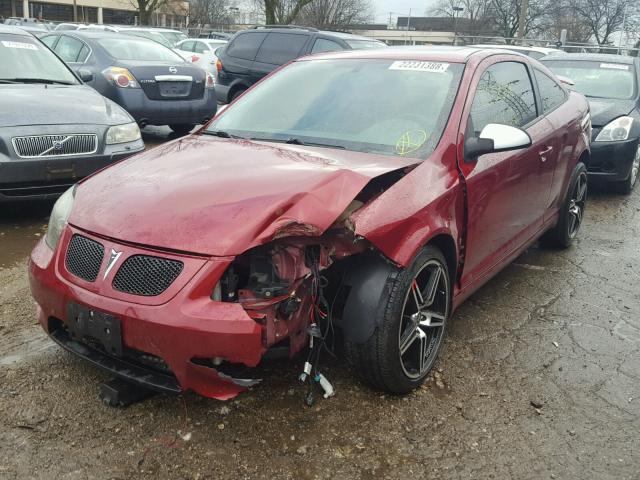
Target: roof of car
x=548 y=50
x=93 y=34
x=15 y=30
x=420 y=53
x=592 y=57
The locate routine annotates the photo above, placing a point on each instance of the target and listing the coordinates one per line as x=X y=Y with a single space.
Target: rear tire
x=571 y=212
x=404 y=347
x=182 y=128
x=236 y=94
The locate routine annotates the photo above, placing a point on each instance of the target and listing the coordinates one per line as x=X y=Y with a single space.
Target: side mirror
x=84 y=74
x=494 y=138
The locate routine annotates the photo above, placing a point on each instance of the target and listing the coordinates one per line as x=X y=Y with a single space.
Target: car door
x=503 y=189
x=552 y=96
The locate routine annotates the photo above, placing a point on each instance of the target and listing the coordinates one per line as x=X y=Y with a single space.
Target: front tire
x=571 y=213
x=182 y=128
x=404 y=347
x=626 y=186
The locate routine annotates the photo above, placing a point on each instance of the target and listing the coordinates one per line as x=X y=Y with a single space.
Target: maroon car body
x=204 y=202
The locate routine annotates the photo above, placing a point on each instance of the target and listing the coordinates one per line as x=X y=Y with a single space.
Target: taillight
x=219 y=65
x=121 y=77
x=210 y=81
x=194 y=58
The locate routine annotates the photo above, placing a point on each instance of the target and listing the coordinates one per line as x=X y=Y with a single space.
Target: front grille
x=84 y=258
x=55 y=145
x=146 y=275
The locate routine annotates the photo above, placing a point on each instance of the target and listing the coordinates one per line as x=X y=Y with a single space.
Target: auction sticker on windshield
x=417 y=66
x=26 y=46
x=614 y=66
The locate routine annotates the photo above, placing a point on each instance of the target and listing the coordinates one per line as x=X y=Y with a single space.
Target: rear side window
x=325 y=45
x=551 y=94
x=246 y=45
x=49 y=41
x=186 y=46
x=84 y=54
x=200 y=47
x=504 y=95
x=280 y=48
x=68 y=49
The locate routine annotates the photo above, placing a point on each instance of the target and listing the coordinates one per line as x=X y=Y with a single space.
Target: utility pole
x=456 y=12
x=624 y=29
x=524 y=10
x=75 y=10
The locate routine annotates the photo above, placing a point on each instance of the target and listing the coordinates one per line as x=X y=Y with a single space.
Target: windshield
x=364 y=44
x=347 y=104
x=138 y=49
x=597 y=79
x=25 y=58
x=150 y=35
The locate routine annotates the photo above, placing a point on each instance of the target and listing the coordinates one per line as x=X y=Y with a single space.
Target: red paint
x=205 y=201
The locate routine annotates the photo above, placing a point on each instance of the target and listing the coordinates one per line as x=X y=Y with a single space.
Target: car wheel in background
x=626 y=186
x=182 y=128
x=571 y=212
x=236 y=94
x=402 y=350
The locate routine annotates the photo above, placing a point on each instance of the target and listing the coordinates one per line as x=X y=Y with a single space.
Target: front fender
x=427 y=202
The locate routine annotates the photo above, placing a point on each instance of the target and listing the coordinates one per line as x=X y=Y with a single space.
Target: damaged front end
x=297 y=286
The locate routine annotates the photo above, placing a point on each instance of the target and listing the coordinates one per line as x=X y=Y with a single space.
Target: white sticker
x=614 y=66
x=418 y=66
x=26 y=46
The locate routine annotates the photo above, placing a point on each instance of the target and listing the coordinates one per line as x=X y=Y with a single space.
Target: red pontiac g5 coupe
x=368 y=191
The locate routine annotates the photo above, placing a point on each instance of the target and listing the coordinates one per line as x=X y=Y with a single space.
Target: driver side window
x=504 y=95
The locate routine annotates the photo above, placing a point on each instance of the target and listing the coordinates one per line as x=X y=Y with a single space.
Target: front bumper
x=182 y=329
x=165 y=112
x=35 y=178
x=612 y=161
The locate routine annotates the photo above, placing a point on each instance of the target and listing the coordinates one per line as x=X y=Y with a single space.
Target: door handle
x=544 y=152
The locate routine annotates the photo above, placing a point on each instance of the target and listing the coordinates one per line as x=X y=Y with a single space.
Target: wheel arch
x=370 y=279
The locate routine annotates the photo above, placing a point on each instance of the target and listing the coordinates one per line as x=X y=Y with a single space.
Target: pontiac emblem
x=113 y=259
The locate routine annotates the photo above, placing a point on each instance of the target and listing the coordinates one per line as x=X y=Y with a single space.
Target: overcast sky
x=383 y=7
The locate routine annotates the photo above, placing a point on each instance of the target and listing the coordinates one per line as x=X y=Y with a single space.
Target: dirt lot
x=539 y=378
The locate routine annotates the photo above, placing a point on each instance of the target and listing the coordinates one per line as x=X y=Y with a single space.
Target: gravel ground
x=539 y=378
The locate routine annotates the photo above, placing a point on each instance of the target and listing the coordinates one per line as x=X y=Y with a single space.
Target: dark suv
x=252 y=54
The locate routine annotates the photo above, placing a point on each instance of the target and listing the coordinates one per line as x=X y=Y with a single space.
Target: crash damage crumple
x=220 y=198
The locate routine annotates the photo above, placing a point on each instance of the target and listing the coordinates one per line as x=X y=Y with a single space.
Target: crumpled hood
x=38 y=104
x=221 y=197
x=605 y=110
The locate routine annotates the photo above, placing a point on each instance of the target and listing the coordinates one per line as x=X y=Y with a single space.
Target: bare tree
x=335 y=13
x=209 y=12
x=282 y=12
x=605 y=17
x=505 y=15
x=146 y=8
x=472 y=9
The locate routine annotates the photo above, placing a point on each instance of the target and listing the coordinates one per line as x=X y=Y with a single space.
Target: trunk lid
x=168 y=80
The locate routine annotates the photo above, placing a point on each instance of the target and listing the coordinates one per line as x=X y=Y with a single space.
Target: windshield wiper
x=297 y=141
x=5 y=80
x=36 y=80
x=221 y=134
